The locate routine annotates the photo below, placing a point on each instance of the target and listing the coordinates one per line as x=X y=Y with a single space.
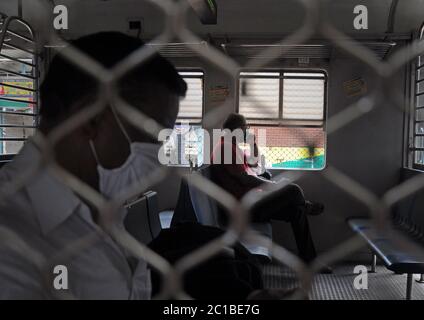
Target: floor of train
x=382 y=285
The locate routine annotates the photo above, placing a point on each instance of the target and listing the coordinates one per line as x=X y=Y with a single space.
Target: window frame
x=280 y=121
x=191 y=122
x=290 y=123
x=412 y=149
x=35 y=77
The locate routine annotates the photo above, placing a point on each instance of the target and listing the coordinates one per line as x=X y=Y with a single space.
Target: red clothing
x=225 y=170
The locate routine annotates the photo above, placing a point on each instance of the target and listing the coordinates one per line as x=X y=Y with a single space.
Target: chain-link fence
x=296 y=148
x=175 y=11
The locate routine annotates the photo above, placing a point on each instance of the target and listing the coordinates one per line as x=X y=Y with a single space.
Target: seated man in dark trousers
x=240 y=175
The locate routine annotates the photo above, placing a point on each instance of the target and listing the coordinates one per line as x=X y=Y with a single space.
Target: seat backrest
x=153 y=213
x=207 y=212
x=196 y=206
x=205 y=207
x=184 y=211
x=142 y=219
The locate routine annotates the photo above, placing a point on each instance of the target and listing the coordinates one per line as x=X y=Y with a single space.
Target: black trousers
x=288 y=205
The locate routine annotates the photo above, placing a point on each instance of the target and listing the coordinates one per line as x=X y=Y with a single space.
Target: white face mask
x=142 y=161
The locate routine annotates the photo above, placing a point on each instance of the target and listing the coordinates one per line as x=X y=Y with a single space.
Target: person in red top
x=237 y=173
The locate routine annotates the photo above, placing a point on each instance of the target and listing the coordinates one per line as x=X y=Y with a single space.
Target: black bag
x=221 y=277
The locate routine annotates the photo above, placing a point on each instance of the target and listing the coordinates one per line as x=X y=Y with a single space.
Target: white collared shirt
x=49 y=217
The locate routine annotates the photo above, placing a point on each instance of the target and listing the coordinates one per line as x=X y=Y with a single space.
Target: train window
x=418 y=132
x=18 y=87
x=289 y=109
x=191 y=107
x=260 y=95
x=185 y=146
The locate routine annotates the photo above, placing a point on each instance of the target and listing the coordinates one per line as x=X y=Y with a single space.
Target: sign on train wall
x=355 y=87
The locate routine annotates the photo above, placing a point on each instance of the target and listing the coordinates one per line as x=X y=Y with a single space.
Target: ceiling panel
x=244 y=18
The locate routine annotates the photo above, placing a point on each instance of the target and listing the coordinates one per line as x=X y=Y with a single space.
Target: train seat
x=195 y=206
x=394 y=257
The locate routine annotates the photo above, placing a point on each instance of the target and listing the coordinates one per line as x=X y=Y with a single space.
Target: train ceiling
x=244 y=18
x=235 y=25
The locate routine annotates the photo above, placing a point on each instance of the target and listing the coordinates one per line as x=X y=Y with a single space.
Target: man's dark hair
x=234 y=121
x=67 y=84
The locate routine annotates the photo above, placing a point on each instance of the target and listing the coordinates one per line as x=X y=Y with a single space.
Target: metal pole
x=1 y=135
x=421 y=279
x=392 y=17
x=409 y=286
x=20 y=10
x=374 y=264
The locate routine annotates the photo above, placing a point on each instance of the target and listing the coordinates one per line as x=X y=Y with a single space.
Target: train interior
x=314 y=83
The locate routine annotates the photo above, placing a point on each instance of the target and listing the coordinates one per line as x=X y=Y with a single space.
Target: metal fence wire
x=176 y=29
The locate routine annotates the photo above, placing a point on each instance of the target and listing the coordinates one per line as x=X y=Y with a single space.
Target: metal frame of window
x=193 y=122
x=293 y=123
x=6 y=31
x=280 y=121
x=180 y=160
x=413 y=149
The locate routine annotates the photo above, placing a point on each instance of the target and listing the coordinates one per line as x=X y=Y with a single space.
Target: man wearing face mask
x=107 y=154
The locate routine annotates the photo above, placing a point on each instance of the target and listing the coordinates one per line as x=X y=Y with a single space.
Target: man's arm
x=254 y=181
x=238 y=172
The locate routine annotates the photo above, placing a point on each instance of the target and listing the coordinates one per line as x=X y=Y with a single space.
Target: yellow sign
x=355 y=87
x=219 y=94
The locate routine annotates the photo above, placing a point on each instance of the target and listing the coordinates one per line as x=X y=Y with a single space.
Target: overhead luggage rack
x=312 y=51
x=180 y=49
x=258 y=50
